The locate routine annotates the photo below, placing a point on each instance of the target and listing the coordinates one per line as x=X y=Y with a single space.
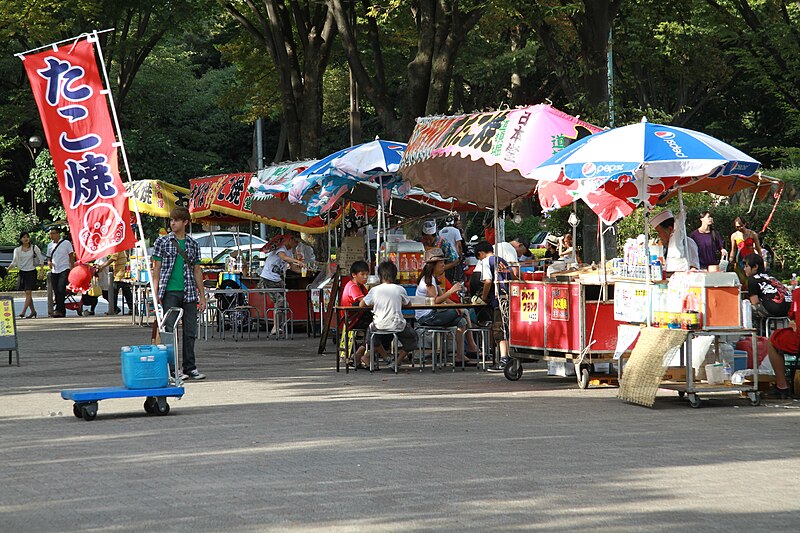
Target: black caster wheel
x=583 y=376
x=76 y=410
x=694 y=401
x=162 y=410
x=755 y=398
x=513 y=370
x=681 y=393
x=150 y=406
x=89 y=411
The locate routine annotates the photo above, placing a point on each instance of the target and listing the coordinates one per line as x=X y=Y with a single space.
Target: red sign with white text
x=68 y=89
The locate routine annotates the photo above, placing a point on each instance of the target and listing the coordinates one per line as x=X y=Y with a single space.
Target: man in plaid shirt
x=178 y=282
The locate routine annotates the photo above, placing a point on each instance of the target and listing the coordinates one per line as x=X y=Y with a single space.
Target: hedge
x=11 y=281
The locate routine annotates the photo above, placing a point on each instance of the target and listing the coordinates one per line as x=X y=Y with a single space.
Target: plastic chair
x=441 y=334
x=372 y=357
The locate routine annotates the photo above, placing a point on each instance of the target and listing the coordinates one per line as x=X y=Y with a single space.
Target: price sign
x=529 y=305
x=559 y=299
x=8 y=327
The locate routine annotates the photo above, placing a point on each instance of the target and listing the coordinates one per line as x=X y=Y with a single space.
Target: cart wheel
x=89 y=411
x=694 y=401
x=162 y=410
x=583 y=377
x=513 y=370
x=681 y=393
x=150 y=405
x=755 y=398
x=76 y=410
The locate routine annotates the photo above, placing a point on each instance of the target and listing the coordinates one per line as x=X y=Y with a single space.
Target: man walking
x=178 y=281
x=61 y=258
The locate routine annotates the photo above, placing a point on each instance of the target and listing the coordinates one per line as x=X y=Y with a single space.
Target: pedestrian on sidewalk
x=61 y=257
x=27 y=258
x=178 y=281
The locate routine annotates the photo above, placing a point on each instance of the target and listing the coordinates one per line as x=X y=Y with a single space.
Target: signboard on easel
x=8 y=327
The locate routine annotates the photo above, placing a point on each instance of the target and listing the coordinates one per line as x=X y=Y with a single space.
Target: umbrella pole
x=647 y=277
x=602 y=260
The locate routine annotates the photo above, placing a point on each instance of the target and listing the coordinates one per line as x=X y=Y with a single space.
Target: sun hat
x=552 y=239
x=433 y=255
x=666 y=214
x=429 y=227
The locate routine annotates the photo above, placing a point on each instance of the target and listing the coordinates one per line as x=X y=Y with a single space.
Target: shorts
x=278 y=296
x=786 y=340
x=407 y=338
x=498 y=329
x=443 y=318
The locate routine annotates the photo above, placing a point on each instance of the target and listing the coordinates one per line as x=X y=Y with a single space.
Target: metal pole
x=610 y=63
x=121 y=146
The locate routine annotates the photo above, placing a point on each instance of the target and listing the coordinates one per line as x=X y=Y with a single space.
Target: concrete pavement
x=275 y=440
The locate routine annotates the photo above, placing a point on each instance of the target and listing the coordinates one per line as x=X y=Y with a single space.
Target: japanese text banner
x=68 y=90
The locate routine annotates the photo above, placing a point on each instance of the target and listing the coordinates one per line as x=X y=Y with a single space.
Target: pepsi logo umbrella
x=616 y=170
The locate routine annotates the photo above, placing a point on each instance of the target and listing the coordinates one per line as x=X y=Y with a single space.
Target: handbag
x=95 y=289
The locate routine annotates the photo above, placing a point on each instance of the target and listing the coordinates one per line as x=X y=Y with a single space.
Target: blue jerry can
x=145 y=366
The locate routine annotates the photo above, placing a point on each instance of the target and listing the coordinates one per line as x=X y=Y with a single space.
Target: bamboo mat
x=646 y=366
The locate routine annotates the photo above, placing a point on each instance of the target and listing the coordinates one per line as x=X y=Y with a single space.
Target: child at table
x=387 y=301
x=354 y=291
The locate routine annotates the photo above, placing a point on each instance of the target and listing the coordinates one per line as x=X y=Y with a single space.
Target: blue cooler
x=739 y=360
x=144 y=366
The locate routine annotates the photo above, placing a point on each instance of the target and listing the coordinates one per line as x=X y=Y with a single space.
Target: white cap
x=429 y=227
x=661 y=217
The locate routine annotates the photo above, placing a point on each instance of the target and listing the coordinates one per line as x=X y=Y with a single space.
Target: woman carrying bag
x=27 y=257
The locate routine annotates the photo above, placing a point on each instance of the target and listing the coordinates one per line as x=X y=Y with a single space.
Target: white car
x=213 y=245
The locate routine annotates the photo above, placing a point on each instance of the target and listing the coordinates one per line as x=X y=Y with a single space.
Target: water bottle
x=794 y=281
x=727 y=372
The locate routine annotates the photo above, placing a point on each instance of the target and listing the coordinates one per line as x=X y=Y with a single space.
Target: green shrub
x=11 y=281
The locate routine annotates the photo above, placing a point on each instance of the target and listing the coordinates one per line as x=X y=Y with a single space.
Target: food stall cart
x=567 y=318
x=704 y=304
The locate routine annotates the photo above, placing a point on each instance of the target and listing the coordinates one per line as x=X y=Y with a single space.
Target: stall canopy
x=617 y=170
x=458 y=156
x=276 y=180
x=335 y=175
x=230 y=196
x=156 y=198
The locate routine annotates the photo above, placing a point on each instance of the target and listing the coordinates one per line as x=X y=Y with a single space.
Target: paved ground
x=276 y=440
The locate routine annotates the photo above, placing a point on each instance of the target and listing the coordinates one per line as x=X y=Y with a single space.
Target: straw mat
x=645 y=368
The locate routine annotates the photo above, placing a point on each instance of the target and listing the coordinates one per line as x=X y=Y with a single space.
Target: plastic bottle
x=794 y=281
x=727 y=372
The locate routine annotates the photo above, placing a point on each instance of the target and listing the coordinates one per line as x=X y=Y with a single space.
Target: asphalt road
x=275 y=440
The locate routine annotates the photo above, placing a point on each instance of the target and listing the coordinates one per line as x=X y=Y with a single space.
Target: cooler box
x=145 y=366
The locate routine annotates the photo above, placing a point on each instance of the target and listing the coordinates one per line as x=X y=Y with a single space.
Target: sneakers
x=499 y=367
x=195 y=374
x=780 y=394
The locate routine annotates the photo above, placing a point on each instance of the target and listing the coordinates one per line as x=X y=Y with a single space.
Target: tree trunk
x=298 y=38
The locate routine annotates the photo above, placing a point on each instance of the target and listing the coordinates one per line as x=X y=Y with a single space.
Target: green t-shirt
x=175 y=282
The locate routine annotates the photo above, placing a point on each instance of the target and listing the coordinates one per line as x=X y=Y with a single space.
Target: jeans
x=127 y=293
x=59 y=284
x=177 y=299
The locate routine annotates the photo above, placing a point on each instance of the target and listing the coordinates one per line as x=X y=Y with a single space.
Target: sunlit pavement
x=275 y=439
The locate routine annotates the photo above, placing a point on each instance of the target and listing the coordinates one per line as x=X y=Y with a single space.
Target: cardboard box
x=675 y=373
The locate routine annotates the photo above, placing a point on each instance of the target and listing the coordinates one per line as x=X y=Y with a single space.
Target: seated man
x=387 y=301
x=782 y=341
x=768 y=296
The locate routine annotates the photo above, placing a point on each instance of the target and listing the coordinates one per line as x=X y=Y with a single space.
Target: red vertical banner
x=69 y=93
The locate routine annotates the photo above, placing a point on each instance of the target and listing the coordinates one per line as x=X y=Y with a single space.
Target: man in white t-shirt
x=507 y=252
x=452 y=234
x=61 y=258
x=387 y=301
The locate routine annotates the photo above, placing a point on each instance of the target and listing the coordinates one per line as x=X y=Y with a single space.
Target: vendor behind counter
x=681 y=250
